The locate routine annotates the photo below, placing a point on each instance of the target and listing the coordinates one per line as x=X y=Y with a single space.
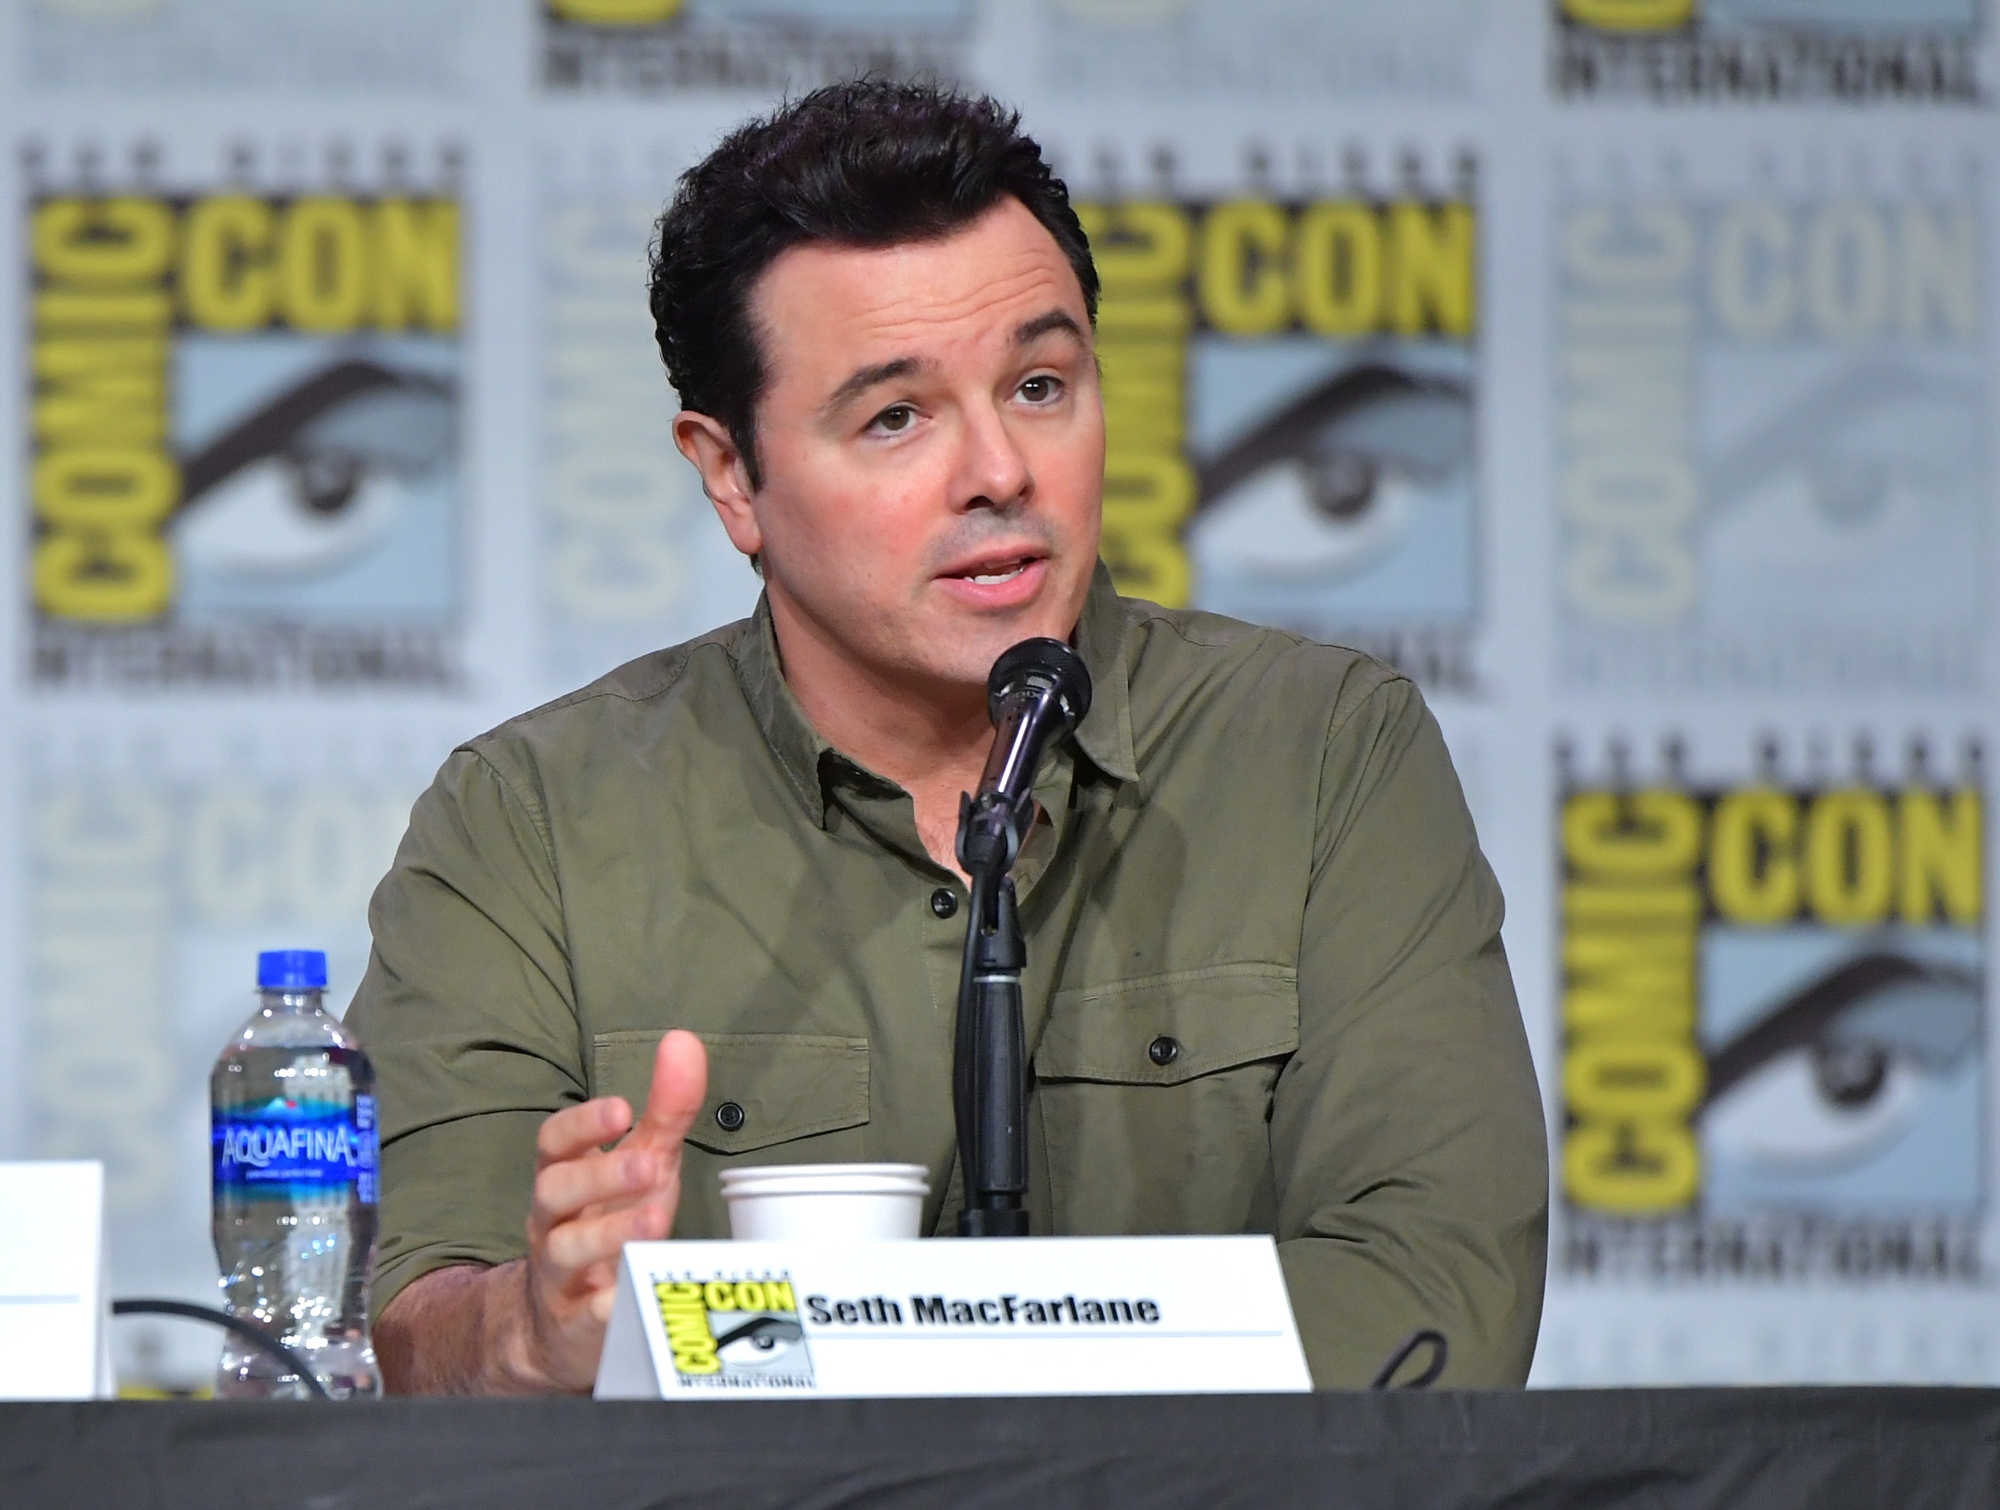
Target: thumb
x=680 y=1083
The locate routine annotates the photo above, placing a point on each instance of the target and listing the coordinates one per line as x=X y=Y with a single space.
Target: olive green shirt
x=1256 y=850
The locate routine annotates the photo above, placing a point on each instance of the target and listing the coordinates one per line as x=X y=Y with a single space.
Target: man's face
x=932 y=445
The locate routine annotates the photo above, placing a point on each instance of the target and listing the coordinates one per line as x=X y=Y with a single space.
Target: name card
x=55 y=1339
x=992 y=1316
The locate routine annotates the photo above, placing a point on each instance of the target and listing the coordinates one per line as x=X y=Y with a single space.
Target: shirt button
x=1163 y=1050
x=944 y=901
x=729 y=1116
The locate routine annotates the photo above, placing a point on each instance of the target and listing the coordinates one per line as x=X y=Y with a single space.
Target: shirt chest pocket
x=1155 y=1099
x=805 y=1092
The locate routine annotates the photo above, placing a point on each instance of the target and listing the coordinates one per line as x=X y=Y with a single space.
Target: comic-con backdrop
x=1623 y=371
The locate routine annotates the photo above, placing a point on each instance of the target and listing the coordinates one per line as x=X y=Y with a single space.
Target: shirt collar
x=1106 y=732
x=787 y=730
x=809 y=762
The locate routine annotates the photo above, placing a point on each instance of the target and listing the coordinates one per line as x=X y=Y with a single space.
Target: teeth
x=1008 y=575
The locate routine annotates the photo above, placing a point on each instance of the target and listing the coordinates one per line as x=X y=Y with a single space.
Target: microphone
x=1038 y=690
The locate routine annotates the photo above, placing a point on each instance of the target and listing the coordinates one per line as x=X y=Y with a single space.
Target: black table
x=1818 y=1449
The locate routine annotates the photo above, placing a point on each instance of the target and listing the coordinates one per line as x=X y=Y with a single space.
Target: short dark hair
x=867 y=163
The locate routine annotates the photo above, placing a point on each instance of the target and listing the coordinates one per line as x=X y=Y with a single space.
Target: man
x=707 y=909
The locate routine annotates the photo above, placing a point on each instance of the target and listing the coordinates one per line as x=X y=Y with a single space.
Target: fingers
x=564 y=1190
x=589 y=1202
x=576 y=1130
x=583 y=1254
x=680 y=1082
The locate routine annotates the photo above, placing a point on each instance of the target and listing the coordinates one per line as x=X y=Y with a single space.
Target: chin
x=965 y=658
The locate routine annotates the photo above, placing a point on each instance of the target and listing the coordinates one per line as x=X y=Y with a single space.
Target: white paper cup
x=825 y=1202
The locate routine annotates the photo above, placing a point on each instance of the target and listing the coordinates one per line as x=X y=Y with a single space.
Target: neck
x=925 y=735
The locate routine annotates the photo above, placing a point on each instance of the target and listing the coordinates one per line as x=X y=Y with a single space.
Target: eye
x=895 y=419
x=760 y=1341
x=1857 y=1063
x=1041 y=389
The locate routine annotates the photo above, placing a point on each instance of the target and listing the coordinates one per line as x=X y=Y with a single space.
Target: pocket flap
x=1212 y=1019
x=782 y=1085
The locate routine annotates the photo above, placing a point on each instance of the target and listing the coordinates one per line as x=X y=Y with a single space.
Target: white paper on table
x=55 y=1341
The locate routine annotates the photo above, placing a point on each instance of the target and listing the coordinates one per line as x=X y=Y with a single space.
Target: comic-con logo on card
x=244 y=421
x=728 y=1332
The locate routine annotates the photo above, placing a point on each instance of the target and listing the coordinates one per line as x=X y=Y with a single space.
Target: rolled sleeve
x=1407 y=1134
x=468 y=1013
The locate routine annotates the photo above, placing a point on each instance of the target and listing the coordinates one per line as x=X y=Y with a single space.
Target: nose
x=994 y=472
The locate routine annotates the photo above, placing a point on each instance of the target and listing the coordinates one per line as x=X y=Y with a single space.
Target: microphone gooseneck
x=1038 y=691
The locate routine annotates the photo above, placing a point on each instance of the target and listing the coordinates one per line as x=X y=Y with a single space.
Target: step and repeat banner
x=1621 y=370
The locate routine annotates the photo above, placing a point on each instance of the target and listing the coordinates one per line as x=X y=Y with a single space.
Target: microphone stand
x=1037 y=691
x=990 y=1062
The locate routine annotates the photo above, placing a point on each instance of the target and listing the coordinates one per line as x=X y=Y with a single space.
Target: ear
x=707 y=443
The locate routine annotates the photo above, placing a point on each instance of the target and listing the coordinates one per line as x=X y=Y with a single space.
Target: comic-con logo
x=734 y=1333
x=244 y=410
x=1773 y=1004
x=1771 y=459
x=1751 y=50
x=1288 y=402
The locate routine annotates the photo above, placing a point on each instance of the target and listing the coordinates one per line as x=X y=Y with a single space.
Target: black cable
x=1440 y=1350
x=249 y=1331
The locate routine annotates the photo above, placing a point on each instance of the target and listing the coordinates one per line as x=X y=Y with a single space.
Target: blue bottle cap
x=291 y=970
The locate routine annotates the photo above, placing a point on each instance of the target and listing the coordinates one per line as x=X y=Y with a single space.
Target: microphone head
x=1040 y=664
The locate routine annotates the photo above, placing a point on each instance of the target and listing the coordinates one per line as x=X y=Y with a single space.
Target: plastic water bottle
x=292 y=1106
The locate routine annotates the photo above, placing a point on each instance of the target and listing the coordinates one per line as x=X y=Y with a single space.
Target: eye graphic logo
x=245 y=421
x=1774 y=1019
x=315 y=475
x=732 y=1333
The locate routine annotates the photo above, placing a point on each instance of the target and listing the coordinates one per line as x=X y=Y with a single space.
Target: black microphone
x=1038 y=690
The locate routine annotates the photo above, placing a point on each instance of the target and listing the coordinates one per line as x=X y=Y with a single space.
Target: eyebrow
x=863 y=378
x=1041 y=325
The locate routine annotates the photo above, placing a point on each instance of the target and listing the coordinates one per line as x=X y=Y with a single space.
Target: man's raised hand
x=590 y=1202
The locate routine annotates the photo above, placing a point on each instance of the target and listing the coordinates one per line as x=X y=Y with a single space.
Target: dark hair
x=867 y=163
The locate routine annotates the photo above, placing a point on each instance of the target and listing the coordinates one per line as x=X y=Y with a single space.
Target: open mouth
x=993 y=573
